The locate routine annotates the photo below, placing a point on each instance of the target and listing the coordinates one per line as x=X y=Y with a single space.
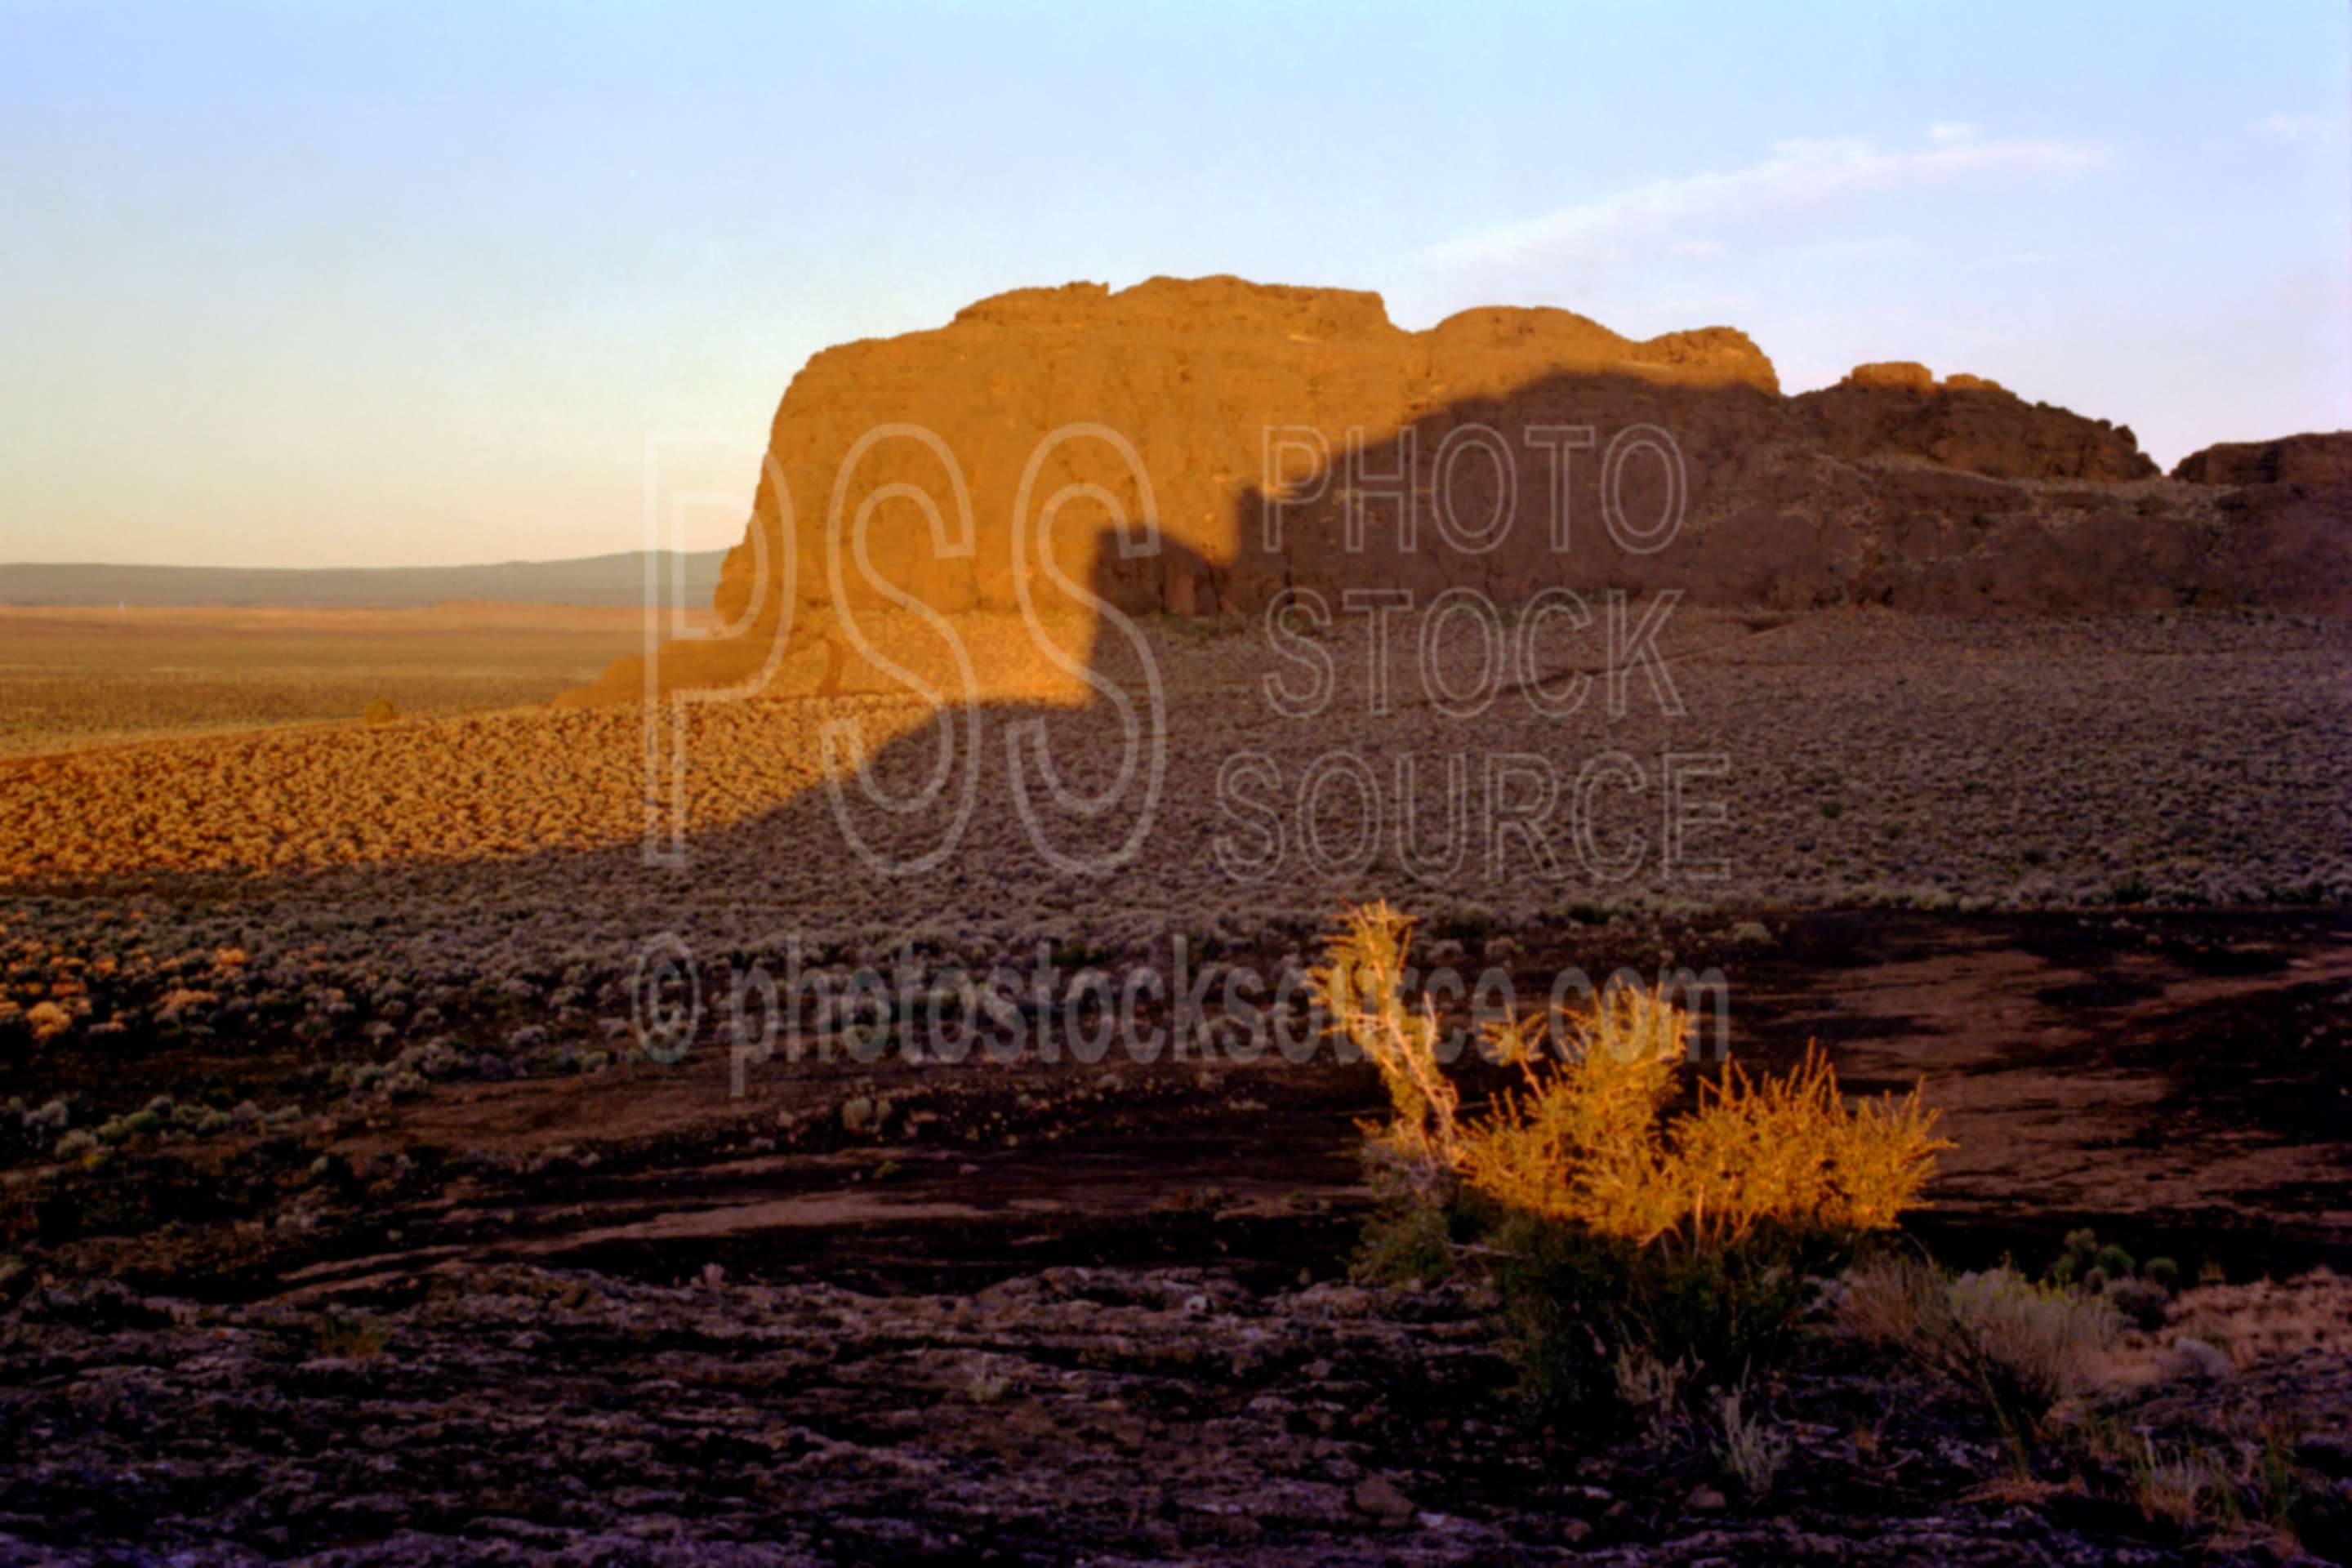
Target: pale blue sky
x=348 y=284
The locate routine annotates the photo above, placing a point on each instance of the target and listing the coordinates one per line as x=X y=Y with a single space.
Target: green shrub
x=2143 y=1301
x=2140 y=1293
x=1404 y=1243
x=1573 y=1302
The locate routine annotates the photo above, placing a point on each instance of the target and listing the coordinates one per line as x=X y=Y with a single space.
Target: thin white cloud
x=2302 y=127
x=1717 y=306
x=1799 y=175
x=1946 y=131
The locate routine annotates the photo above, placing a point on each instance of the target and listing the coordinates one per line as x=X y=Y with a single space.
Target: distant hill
x=588 y=580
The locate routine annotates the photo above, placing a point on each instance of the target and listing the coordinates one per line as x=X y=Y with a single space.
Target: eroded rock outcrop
x=1968 y=422
x=1906 y=375
x=2308 y=460
x=1284 y=438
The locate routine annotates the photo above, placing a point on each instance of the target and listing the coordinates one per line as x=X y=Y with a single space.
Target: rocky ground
x=346 y=1218
x=524 y=1307
x=1110 y=1415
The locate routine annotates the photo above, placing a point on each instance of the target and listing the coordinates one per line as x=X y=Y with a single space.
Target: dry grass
x=1750 y=1449
x=2219 y=1326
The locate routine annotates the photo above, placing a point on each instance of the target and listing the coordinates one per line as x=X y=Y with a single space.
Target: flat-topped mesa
x=1185 y=402
x=1536 y=338
x=1191 y=374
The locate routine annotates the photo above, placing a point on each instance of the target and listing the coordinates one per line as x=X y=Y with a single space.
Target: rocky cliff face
x=1295 y=437
x=2314 y=460
x=1192 y=376
x=1967 y=423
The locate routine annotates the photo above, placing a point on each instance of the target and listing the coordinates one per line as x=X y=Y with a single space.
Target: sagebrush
x=2020 y=1345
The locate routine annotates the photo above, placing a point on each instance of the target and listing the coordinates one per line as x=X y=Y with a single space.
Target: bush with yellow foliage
x=1605 y=1222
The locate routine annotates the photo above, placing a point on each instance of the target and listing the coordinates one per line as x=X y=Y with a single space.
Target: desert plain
x=547 y=1130
x=81 y=676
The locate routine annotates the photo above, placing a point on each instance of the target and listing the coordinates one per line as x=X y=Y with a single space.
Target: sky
x=346 y=284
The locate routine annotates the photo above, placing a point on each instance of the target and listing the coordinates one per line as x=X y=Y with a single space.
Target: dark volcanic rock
x=2309 y=459
x=2288 y=518
x=1979 y=428
x=2290 y=545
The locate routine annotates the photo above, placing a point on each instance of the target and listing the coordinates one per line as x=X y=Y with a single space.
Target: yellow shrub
x=1582 y=1139
x=1361 y=986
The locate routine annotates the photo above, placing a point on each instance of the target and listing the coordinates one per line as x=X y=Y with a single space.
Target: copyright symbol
x=666 y=999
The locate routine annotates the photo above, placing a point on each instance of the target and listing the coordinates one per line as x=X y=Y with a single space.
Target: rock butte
x=1889 y=489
